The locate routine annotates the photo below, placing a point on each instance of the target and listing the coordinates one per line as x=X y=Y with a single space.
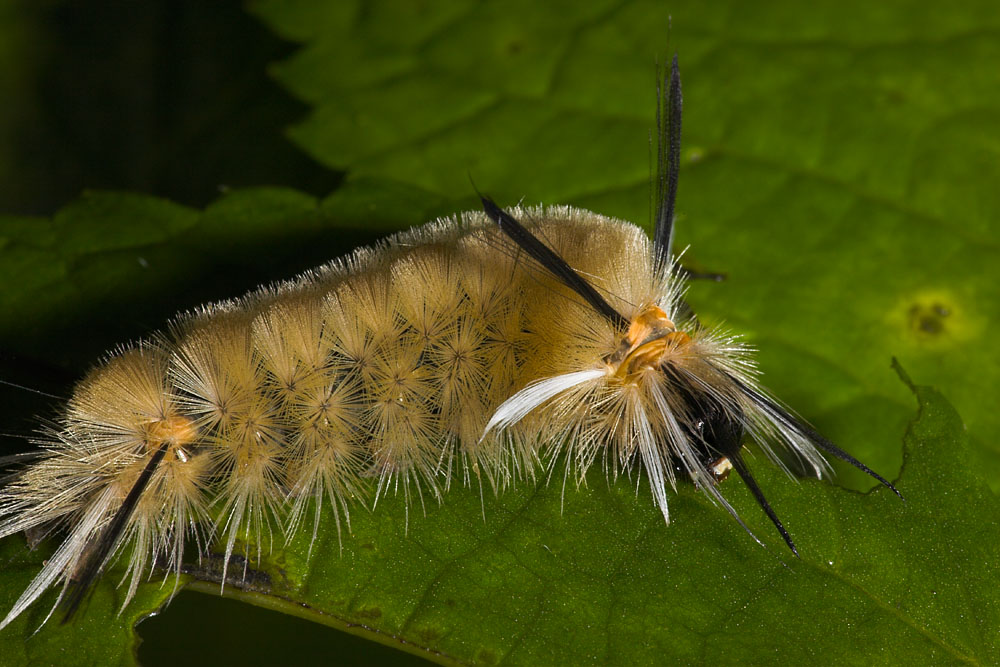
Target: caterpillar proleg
x=493 y=346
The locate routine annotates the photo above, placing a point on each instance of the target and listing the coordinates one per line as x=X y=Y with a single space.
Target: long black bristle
x=552 y=262
x=741 y=467
x=833 y=449
x=813 y=436
x=668 y=158
x=96 y=556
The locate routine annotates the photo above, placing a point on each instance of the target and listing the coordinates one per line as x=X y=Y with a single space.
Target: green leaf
x=595 y=577
x=101 y=636
x=536 y=576
x=592 y=575
x=840 y=164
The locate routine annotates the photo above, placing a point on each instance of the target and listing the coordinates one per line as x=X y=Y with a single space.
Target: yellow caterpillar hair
x=497 y=343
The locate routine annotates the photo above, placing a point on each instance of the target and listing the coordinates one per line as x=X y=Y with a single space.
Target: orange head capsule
x=651 y=338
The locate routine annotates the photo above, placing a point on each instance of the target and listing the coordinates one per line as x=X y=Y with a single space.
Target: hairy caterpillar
x=496 y=344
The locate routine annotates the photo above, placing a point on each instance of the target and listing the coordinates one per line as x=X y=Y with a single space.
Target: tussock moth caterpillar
x=496 y=344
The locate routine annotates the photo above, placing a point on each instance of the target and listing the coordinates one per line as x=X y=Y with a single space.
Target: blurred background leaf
x=166 y=97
